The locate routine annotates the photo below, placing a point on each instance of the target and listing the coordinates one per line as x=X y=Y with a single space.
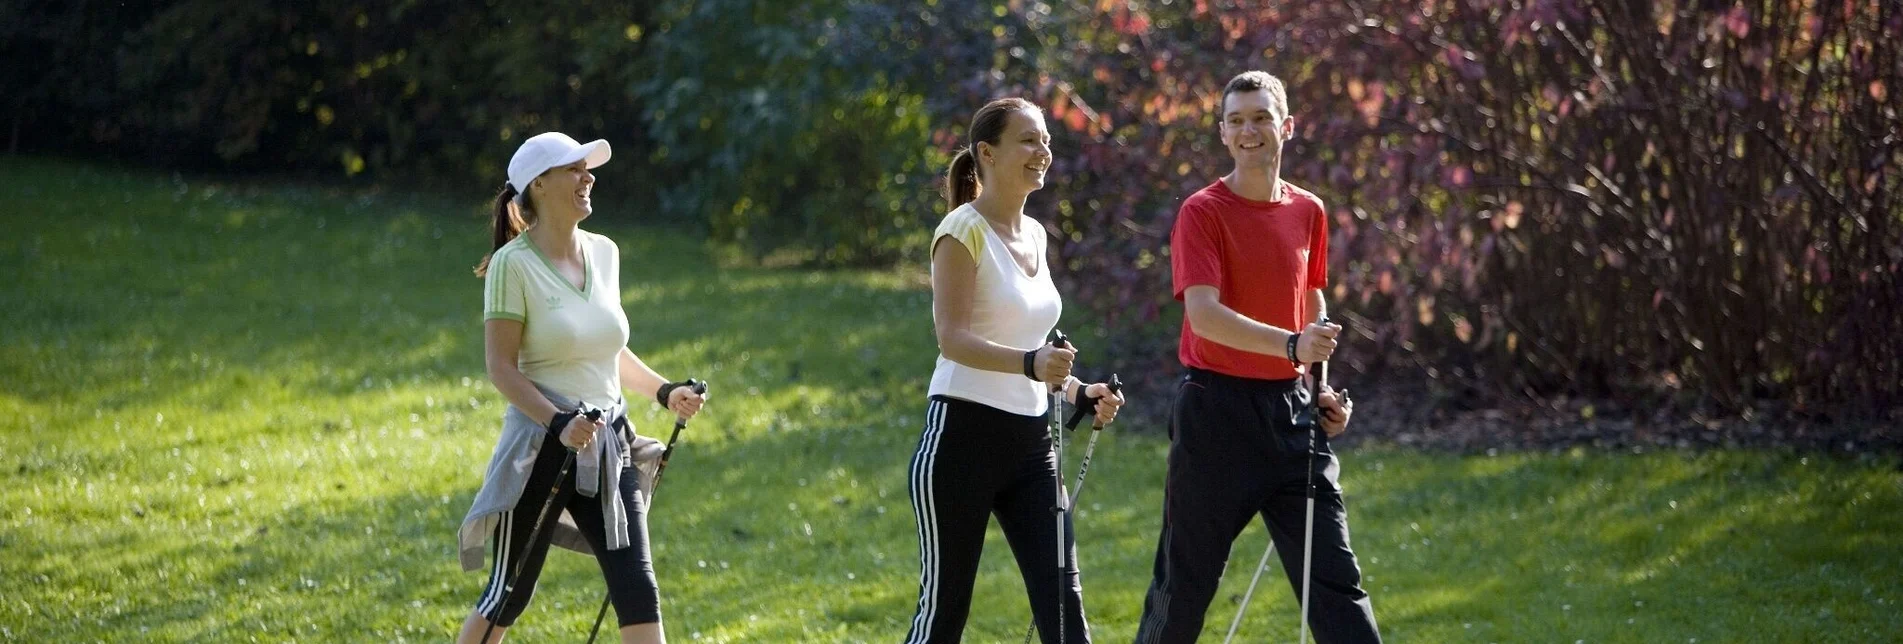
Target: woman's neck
x=554 y=239
x=1003 y=210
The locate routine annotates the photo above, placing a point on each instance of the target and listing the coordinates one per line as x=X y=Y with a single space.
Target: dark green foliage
x=1695 y=203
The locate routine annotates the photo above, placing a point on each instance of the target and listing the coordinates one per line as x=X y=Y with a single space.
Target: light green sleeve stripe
x=502 y=315
x=492 y=281
x=489 y=280
x=493 y=278
x=505 y=293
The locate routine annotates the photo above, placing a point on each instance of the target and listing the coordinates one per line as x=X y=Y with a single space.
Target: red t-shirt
x=1261 y=256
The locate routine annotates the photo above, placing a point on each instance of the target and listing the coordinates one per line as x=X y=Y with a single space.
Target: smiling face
x=1254 y=127
x=1021 y=156
x=563 y=192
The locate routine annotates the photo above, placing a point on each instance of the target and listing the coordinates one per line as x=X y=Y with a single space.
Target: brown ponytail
x=509 y=222
x=961 y=183
x=965 y=179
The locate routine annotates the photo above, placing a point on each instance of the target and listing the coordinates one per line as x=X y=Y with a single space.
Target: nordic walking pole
x=1259 y=567
x=561 y=475
x=1320 y=370
x=1096 y=429
x=697 y=387
x=1308 y=524
x=1057 y=507
x=679 y=424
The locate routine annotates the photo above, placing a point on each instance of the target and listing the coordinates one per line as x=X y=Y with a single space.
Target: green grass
x=257 y=413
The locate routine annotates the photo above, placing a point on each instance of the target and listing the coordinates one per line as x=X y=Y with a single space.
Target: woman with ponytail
x=985 y=449
x=555 y=345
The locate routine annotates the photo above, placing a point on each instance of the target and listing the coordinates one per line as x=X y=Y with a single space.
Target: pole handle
x=1116 y=387
x=698 y=387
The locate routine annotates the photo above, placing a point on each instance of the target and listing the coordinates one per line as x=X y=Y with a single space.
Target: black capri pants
x=629 y=571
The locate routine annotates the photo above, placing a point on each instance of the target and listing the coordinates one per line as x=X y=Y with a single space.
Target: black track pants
x=1236 y=452
x=975 y=461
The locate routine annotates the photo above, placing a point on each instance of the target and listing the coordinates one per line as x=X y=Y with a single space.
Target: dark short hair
x=1253 y=80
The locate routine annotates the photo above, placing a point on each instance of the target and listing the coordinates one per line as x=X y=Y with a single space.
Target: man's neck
x=1256 y=184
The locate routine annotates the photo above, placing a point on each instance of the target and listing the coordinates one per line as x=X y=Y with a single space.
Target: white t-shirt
x=571 y=338
x=1008 y=307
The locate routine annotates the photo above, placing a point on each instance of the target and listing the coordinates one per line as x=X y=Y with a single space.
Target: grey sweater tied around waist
x=598 y=471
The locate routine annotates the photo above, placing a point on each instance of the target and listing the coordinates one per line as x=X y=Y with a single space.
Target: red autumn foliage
x=1687 y=203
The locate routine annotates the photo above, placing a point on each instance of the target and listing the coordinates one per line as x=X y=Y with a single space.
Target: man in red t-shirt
x=1250 y=256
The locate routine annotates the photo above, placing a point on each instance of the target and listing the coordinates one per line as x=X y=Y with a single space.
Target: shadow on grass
x=132 y=290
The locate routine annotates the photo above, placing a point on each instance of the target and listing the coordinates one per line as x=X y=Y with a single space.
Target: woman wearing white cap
x=555 y=344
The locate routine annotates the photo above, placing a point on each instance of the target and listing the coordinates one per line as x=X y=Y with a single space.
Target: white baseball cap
x=550 y=150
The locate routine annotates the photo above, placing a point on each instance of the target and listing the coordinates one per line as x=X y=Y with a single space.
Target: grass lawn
x=236 y=413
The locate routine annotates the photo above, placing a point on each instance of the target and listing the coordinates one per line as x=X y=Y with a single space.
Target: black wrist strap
x=667 y=389
x=1087 y=406
x=560 y=421
x=1030 y=365
x=1293 y=338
